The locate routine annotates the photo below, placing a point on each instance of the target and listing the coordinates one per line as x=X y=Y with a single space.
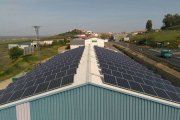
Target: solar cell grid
x=135 y=86
x=177 y=89
x=67 y=80
x=123 y=83
x=134 y=76
x=117 y=74
x=159 y=85
x=34 y=82
x=16 y=95
x=19 y=86
x=173 y=96
x=170 y=88
x=29 y=91
x=110 y=79
x=127 y=76
x=106 y=71
x=148 y=89
x=55 y=83
x=50 y=77
x=138 y=79
x=5 y=97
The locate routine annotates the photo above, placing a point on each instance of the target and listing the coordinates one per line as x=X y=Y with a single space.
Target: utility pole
x=38 y=39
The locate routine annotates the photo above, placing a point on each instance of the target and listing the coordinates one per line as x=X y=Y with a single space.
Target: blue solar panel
x=56 y=72
x=120 y=70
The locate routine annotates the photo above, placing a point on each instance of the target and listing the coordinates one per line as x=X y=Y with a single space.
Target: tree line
x=169 y=20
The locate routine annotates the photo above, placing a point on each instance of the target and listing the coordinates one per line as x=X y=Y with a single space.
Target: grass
x=173 y=37
x=10 y=68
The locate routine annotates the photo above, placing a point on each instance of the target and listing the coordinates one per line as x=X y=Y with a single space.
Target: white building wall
x=75 y=46
x=23 y=111
x=12 y=45
x=95 y=41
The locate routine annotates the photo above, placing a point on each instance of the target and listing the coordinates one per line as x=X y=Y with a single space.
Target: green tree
x=15 y=52
x=171 y=20
x=149 y=25
x=104 y=36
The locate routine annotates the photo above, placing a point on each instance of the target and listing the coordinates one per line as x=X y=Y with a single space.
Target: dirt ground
x=5 y=83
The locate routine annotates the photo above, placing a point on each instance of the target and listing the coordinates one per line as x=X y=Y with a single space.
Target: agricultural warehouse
x=90 y=83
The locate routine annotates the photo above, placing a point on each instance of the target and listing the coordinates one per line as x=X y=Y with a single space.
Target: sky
x=58 y=16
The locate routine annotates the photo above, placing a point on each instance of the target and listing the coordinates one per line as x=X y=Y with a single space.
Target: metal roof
x=88 y=72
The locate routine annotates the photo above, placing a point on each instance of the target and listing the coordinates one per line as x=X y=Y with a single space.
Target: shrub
x=15 y=52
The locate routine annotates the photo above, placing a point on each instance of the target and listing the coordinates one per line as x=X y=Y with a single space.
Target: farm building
x=28 y=48
x=90 y=83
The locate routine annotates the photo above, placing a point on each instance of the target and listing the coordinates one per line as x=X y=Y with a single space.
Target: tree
x=104 y=36
x=15 y=52
x=149 y=25
x=171 y=20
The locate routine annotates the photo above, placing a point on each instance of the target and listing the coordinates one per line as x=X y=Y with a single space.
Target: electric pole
x=38 y=41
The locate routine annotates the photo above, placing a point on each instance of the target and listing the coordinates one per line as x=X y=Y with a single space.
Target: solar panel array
x=122 y=71
x=55 y=73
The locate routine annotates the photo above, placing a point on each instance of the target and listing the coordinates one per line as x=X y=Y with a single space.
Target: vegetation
x=169 y=39
x=9 y=68
x=170 y=21
x=15 y=52
x=149 y=25
x=104 y=36
x=66 y=35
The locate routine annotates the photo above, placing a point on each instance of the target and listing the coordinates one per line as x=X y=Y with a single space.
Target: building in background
x=95 y=42
x=77 y=42
x=28 y=47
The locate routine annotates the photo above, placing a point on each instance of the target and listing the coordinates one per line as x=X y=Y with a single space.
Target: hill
x=66 y=35
x=172 y=37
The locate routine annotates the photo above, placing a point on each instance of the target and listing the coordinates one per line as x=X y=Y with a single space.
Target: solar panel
x=170 y=88
x=71 y=71
x=137 y=79
x=55 y=83
x=67 y=80
x=106 y=71
x=148 y=89
x=110 y=79
x=50 y=77
x=161 y=93
x=173 y=96
x=29 y=91
x=123 y=83
x=117 y=74
x=19 y=87
x=56 y=72
x=135 y=86
x=42 y=87
x=61 y=74
x=5 y=97
x=122 y=71
x=127 y=76
x=16 y=95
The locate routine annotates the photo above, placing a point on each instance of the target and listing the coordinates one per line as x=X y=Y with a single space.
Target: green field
x=173 y=37
x=10 y=68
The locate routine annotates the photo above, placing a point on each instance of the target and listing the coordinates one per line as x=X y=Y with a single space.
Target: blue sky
x=57 y=16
